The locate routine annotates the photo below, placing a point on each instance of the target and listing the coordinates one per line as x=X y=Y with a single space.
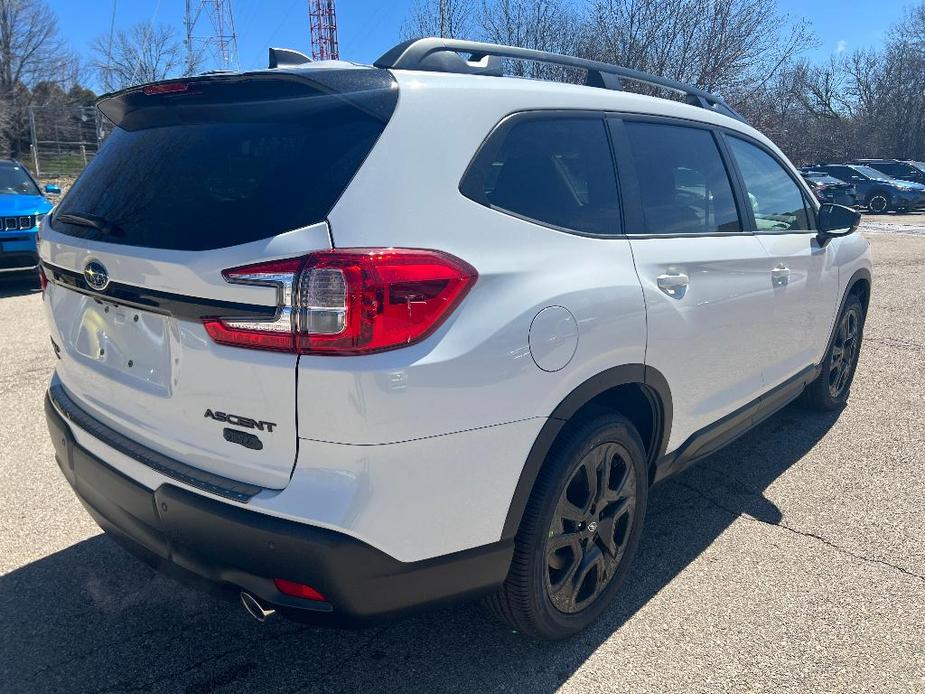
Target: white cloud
x=841 y=46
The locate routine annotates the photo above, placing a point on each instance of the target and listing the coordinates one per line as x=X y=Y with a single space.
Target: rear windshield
x=208 y=174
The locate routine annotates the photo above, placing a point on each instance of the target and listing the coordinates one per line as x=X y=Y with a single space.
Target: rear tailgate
x=221 y=172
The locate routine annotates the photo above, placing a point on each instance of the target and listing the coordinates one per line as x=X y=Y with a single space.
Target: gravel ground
x=792 y=561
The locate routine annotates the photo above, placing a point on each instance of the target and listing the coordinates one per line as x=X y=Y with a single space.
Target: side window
x=775 y=198
x=845 y=174
x=683 y=184
x=556 y=171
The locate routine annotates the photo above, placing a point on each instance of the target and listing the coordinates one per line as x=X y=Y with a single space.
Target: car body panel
x=804 y=303
x=471 y=365
x=729 y=283
x=177 y=373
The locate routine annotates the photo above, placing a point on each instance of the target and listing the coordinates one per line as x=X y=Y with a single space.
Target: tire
x=574 y=546
x=831 y=388
x=879 y=202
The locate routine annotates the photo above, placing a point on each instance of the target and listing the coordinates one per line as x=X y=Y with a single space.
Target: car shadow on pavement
x=91 y=618
x=18 y=285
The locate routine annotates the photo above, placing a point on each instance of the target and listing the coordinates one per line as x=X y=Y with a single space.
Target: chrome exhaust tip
x=255 y=608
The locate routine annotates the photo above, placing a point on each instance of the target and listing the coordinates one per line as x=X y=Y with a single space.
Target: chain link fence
x=64 y=139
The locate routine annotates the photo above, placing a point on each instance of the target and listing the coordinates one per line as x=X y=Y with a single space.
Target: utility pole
x=322 y=23
x=212 y=33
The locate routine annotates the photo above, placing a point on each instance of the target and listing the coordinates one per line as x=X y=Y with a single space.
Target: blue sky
x=366 y=28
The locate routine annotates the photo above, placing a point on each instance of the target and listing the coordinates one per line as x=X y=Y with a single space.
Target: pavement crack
x=803 y=533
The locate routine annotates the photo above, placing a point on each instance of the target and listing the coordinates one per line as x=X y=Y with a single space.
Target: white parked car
x=350 y=340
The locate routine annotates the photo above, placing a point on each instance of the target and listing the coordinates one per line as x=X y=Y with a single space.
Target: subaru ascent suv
x=344 y=340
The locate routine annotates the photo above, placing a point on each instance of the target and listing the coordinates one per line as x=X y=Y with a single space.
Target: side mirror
x=836 y=220
x=52 y=189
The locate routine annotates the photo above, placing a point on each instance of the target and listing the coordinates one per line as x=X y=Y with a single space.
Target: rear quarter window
x=553 y=170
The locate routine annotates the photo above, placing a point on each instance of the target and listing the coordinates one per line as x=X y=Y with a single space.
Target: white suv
x=348 y=340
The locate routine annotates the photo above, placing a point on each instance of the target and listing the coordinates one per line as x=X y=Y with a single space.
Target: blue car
x=876 y=191
x=22 y=206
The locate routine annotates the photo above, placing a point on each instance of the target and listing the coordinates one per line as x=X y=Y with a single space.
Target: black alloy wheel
x=590 y=528
x=579 y=531
x=831 y=388
x=844 y=354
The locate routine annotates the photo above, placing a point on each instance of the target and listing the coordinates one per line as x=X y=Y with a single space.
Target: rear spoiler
x=215 y=97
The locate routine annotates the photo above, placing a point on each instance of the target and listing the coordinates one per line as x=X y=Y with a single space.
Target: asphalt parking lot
x=792 y=561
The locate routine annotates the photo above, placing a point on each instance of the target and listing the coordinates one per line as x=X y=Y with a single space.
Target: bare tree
x=731 y=46
x=31 y=51
x=544 y=25
x=142 y=53
x=443 y=18
x=867 y=103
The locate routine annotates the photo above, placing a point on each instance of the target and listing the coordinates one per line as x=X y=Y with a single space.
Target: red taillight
x=165 y=88
x=298 y=590
x=349 y=301
x=43 y=280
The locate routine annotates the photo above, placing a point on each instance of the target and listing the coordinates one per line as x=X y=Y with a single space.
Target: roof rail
x=442 y=55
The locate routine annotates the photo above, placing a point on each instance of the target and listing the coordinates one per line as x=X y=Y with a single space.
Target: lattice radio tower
x=322 y=21
x=210 y=30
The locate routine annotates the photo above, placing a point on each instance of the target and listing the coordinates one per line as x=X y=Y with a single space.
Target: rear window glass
x=683 y=184
x=238 y=173
x=553 y=170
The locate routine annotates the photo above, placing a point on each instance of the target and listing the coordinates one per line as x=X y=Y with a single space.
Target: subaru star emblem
x=96 y=276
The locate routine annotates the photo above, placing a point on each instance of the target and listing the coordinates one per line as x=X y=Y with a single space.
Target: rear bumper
x=227 y=548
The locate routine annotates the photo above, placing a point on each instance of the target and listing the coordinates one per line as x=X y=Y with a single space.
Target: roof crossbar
x=443 y=55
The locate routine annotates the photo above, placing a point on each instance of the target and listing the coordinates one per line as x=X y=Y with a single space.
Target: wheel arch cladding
x=859 y=285
x=639 y=392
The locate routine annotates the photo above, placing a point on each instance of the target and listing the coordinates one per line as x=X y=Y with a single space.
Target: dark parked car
x=875 y=190
x=893 y=168
x=829 y=189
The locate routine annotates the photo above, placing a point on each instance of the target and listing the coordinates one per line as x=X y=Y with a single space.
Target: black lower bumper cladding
x=227 y=548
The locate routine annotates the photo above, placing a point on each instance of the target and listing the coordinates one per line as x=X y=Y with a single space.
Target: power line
x=112 y=30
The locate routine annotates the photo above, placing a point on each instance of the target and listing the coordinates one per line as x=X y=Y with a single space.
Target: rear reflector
x=349 y=301
x=298 y=590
